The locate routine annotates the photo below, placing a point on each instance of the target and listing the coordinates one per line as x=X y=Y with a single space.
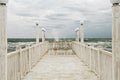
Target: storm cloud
x=59 y=17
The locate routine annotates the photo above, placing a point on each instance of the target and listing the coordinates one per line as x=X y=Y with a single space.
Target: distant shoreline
x=52 y=39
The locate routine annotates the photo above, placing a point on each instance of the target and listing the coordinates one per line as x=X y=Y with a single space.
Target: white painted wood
x=99 y=69
x=3 y=41
x=82 y=31
x=43 y=35
x=105 y=65
x=37 y=33
x=20 y=62
x=100 y=61
x=13 y=66
x=77 y=36
x=116 y=41
x=90 y=58
x=29 y=58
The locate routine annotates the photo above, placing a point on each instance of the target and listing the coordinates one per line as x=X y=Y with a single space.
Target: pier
x=60 y=60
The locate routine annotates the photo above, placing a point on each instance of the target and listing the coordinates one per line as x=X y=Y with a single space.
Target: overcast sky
x=59 y=17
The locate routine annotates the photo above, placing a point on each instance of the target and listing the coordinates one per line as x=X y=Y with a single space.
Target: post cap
x=115 y=1
x=43 y=29
x=82 y=22
x=3 y=1
x=37 y=24
x=77 y=29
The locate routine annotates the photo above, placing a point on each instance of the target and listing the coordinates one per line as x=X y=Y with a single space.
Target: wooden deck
x=60 y=67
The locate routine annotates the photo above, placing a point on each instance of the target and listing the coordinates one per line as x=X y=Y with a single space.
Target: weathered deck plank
x=57 y=67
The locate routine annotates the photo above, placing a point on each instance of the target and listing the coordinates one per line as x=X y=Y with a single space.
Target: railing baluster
x=100 y=60
x=22 y=61
x=29 y=57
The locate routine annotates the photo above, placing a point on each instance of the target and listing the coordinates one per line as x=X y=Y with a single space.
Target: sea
x=104 y=43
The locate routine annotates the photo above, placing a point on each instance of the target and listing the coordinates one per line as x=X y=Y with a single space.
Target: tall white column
x=43 y=34
x=116 y=40
x=77 y=34
x=3 y=40
x=82 y=31
x=37 y=33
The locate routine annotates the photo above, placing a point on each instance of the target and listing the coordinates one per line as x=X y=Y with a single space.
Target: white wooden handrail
x=20 y=62
x=99 y=61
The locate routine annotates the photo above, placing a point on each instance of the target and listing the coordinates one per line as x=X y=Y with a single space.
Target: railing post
x=77 y=34
x=3 y=40
x=82 y=31
x=29 y=53
x=43 y=34
x=99 y=63
x=37 y=33
x=90 y=58
x=21 y=70
x=20 y=61
x=116 y=39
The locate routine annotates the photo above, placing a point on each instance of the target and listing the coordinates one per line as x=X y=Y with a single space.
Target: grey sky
x=59 y=17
